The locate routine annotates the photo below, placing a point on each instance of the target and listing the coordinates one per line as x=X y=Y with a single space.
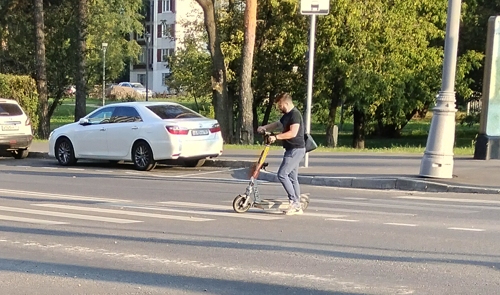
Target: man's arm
x=270 y=127
x=294 y=129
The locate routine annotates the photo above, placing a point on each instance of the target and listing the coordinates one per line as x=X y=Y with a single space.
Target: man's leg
x=297 y=154
x=288 y=173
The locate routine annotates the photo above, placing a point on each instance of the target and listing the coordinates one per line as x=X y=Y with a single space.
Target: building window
x=142 y=56
x=164 y=78
x=166 y=30
x=141 y=78
x=166 y=5
x=164 y=54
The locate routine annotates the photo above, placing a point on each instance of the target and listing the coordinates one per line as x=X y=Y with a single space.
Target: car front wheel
x=142 y=156
x=65 y=153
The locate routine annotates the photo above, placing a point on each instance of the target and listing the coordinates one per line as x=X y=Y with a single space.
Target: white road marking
x=466 y=229
x=67 y=215
x=361 y=211
x=122 y=212
x=50 y=168
x=355 y=198
x=221 y=207
x=196 y=205
x=76 y=169
x=340 y=219
x=58 y=196
x=406 y=207
x=202 y=173
x=21 y=166
x=400 y=224
x=200 y=212
x=450 y=200
x=29 y=220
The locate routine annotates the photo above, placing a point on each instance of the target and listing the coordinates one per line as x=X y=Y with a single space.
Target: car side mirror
x=84 y=121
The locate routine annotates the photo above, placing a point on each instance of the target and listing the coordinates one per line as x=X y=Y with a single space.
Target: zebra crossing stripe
x=29 y=220
x=212 y=213
x=67 y=215
x=59 y=196
x=122 y=212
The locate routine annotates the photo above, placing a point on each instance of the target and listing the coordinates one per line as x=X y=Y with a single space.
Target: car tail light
x=215 y=128
x=177 y=130
x=28 y=122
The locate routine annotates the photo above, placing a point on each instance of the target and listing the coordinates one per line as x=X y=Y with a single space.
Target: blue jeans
x=289 y=171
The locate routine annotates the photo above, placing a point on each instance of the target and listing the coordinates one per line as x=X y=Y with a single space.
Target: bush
x=23 y=90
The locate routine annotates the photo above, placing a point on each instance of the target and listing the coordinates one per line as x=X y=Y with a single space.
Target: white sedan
x=141 y=132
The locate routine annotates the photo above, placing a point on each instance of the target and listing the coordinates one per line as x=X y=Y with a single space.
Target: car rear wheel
x=65 y=153
x=142 y=156
x=20 y=154
x=194 y=163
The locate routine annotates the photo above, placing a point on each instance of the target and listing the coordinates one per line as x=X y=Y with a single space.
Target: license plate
x=199 y=132
x=10 y=127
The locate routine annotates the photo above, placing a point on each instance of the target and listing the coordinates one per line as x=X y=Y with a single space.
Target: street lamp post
x=147 y=64
x=437 y=161
x=104 y=47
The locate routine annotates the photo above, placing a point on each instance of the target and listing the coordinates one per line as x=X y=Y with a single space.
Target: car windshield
x=137 y=85
x=10 y=109
x=166 y=111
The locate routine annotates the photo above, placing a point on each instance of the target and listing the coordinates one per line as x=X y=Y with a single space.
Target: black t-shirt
x=288 y=119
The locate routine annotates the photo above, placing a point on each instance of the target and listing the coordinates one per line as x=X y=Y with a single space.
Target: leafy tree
x=223 y=109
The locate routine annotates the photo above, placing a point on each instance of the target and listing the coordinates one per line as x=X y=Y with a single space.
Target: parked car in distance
x=142 y=132
x=15 y=129
x=138 y=87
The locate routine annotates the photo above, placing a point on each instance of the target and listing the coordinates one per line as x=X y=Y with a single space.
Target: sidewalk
x=363 y=170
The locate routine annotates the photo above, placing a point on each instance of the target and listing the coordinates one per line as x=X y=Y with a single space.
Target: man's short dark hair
x=283 y=97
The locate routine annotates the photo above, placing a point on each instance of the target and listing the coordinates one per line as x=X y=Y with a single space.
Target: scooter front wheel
x=239 y=204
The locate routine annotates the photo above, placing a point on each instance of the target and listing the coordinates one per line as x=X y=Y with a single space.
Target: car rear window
x=10 y=109
x=173 y=112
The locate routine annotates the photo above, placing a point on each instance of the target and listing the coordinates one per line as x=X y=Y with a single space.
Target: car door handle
x=135 y=128
x=102 y=129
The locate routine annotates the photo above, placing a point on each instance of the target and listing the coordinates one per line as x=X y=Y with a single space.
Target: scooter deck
x=272 y=204
x=278 y=204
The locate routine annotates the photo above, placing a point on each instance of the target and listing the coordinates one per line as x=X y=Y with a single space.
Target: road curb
x=403 y=183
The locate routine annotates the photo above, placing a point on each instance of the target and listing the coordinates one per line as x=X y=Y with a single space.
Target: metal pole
x=310 y=71
x=104 y=73
x=438 y=157
x=147 y=65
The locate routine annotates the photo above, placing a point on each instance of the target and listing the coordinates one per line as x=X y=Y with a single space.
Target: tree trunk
x=358 y=135
x=269 y=108
x=246 y=94
x=80 y=79
x=41 y=77
x=332 y=114
x=222 y=107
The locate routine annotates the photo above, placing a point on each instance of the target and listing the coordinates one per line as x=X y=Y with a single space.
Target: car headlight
x=51 y=133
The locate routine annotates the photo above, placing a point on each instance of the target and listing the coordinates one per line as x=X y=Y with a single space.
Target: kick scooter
x=251 y=198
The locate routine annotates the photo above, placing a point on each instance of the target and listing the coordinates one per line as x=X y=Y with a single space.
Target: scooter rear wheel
x=239 y=204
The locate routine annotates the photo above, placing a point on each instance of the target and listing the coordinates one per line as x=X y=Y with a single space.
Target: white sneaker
x=293 y=211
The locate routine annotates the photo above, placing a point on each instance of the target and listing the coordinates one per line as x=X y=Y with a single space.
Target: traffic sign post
x=312 y=8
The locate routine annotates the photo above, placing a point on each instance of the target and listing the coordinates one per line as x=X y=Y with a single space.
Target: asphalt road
x=99 y=228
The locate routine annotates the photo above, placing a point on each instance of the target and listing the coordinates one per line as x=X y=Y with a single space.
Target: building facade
x=166 y=22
